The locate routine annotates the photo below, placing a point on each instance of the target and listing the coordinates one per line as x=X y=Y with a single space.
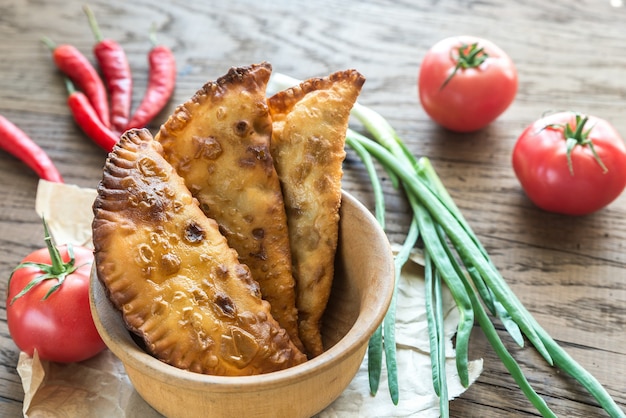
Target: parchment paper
x=99 y=387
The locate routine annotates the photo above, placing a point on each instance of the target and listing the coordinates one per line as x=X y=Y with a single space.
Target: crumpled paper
x=95 y=388
x=67 y=210
x=99 y=387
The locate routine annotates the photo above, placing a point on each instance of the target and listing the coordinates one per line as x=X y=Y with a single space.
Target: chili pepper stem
x=93 y=23
x=48 y=42
x=153 y=35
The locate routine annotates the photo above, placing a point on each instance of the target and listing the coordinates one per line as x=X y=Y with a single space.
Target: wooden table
x=569 y=271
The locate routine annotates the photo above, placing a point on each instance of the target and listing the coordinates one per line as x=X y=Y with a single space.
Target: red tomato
x=574 y=182
x=60 y=326
x=465 y=83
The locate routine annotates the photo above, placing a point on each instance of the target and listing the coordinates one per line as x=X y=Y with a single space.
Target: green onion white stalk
x=454 y=255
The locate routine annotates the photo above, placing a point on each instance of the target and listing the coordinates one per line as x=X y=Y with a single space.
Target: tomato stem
x=57 y=266
x=57 y=269
x=579 y=136
x=470 y=56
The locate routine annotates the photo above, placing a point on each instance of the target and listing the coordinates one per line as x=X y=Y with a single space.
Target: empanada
x=178 y=284
x=218 y=141
x=308 y=139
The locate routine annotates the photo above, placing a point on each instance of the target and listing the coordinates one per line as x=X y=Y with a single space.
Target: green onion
x=375 y=345
x=436 y=333
x=393 y=156
x=455 y=255
x=375 y=359
x=444 y=265
x=389 y=322
x=383 y=339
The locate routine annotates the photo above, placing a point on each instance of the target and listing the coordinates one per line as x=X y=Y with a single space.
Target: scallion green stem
x=377 y=189
x=463 y=243
x=444 y=401
x=565 y=362
x=437 y=251
x=389 y=322
x=427 y=172
x=383 y=339
x=438 y=367
x=376 y=343
x=375 y=359
x=507 y=359
x=436 y=333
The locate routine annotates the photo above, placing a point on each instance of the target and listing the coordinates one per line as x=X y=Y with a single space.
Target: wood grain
x=569 y=272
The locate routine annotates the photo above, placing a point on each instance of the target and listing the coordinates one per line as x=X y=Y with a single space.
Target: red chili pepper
x=87 y=118
x=77 y=67
x=15 y=141
x=116 y=72
x=161 y=82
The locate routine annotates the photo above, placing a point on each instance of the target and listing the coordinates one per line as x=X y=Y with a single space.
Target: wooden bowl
x=362 y=290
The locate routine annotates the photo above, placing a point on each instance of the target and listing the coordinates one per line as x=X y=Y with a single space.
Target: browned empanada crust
x=308 y=147
x=170 y=271
x=218 y=141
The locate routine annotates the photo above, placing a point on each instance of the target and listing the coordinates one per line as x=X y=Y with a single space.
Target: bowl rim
x=131 y=355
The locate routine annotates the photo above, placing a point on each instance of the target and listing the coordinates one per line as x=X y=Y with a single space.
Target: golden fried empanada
x=308 y=139
x=178 y=284
x=218 y=141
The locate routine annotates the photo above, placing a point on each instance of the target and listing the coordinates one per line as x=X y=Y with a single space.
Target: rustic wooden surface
x=570 y=272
